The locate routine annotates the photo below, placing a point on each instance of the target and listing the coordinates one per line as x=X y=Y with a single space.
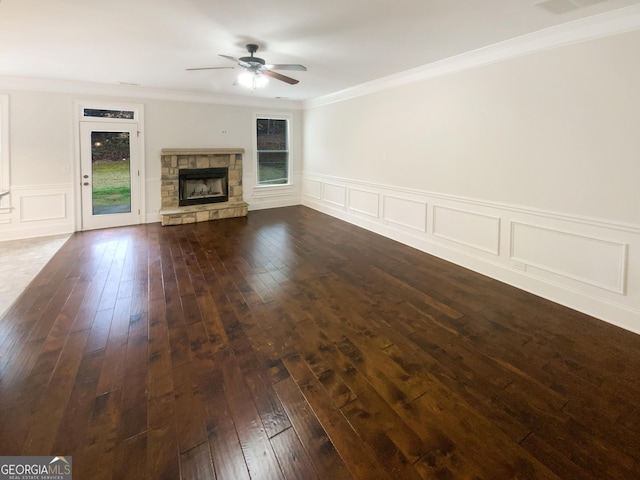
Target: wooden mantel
x=202 y=151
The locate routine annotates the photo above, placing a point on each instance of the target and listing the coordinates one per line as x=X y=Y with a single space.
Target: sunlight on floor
x=21 y=261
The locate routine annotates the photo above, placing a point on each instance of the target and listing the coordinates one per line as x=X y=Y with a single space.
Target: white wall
x=527 y=170
x=43 y=156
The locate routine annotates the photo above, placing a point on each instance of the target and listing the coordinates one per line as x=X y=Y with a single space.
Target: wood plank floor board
x=255 y=367
x=196 y=463
x=258 y=452
x=322 y=452
x=130 y=458
x=224 y=444
x=163 y=462
x=190 y=411
x=364 y=463
x=97 y=457
x=134 y=385
x=46 y=419
x=292 y=456
x=79 y=408
x=289 y=344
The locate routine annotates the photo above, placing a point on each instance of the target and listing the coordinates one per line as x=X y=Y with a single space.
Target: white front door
x=110 y=174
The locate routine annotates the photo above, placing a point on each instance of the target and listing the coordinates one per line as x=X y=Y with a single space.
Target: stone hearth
x=175 y=159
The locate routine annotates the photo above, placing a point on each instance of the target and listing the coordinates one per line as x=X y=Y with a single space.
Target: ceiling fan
x=258 y=66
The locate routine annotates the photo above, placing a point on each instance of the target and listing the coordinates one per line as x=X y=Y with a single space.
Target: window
x=108 y=112
x=4 y=149
x=272 y=150
x=103 y=113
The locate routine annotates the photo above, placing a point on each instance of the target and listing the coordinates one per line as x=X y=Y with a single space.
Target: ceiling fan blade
x=233 y=59
x=209 y=68
x=282 y=78
x=287 y=66
x=239 y=61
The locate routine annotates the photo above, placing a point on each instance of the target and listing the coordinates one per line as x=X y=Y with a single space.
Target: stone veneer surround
x=175 y=159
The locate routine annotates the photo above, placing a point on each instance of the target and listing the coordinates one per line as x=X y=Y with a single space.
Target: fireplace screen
x=203 y=185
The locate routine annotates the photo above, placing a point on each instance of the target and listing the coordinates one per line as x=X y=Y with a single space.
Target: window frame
x=5 y=180
x=256 y=167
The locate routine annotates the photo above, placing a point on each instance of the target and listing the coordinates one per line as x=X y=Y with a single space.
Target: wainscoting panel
x=313 y=189
x=593 y=261
x=335 y=194
x=587 y=264
x=38 y=211
x=478 y=231
x=405 y=212
x=35 y=208
x=364 y=201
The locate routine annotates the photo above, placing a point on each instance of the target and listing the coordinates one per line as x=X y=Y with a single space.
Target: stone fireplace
x=201 y=184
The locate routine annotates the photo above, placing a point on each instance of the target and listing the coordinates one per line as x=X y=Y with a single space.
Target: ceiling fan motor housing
x=253 y=61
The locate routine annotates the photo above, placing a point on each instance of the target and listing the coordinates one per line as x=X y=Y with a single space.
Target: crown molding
x=136 y=92
x=603 y=25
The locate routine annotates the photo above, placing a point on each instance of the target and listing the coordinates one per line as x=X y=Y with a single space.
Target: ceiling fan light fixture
x=257 y=70
x=252 y=80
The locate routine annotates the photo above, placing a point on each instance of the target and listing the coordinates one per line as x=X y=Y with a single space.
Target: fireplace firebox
x=203 y=185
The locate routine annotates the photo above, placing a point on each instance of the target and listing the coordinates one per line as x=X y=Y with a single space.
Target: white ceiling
x=343 y=43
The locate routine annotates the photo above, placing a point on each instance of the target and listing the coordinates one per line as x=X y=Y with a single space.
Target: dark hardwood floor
x=292 y=345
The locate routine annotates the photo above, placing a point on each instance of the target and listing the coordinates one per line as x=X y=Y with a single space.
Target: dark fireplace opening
x=203 y=185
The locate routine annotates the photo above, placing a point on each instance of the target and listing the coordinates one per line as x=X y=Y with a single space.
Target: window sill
x=280 y=185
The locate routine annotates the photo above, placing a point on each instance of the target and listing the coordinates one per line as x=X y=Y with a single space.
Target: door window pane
x=111 y=174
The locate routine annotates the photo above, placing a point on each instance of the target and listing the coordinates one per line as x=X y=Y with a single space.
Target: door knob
x=86 y=183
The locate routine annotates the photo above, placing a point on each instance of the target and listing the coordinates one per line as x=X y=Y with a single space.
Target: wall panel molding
x=39 y=210
x=578 y=257
x=405 y=212
x=313 y=188
x=364 y=201
x=334 y=194
x=43 y=206
x=466 y=227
